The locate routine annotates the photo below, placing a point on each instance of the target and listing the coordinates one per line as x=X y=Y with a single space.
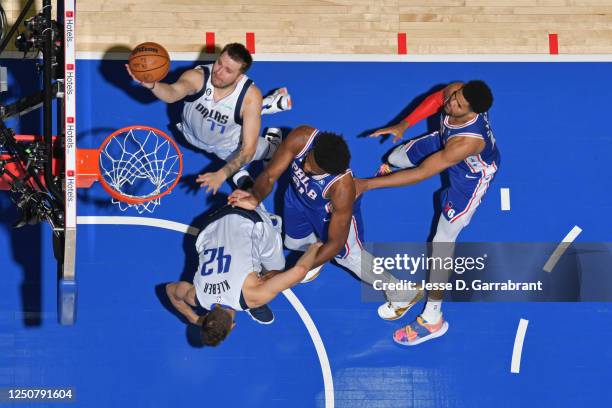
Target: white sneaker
x=275 y=94
x=280 y=91
x=312 y=274
x=395 y=310
x=242 y=180
x=278 y=101
x=274 y=136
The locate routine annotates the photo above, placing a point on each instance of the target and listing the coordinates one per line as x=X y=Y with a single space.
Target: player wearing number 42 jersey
x=464 y=147
x=241 y=254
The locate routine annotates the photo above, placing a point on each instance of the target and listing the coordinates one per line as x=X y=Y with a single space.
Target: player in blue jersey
x=320 y=204
x=465 y=149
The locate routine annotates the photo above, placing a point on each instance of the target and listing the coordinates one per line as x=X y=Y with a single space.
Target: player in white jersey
x=465 y=149
x=222 y=112
x=241 y=254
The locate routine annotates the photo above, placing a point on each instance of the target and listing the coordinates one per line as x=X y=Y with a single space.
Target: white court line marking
x=196 y=56
x=561 y=248
x=143 y=221
x=517 y=351
x=505 y=199
x=328 y=382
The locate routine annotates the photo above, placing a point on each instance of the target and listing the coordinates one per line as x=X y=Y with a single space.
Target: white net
x=140 y=163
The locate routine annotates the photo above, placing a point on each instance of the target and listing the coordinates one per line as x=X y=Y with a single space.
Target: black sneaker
x=262 y=314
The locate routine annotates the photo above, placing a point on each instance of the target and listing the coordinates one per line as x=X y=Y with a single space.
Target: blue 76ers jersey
x=312 y=190
x=308 y=208
x=473 y=168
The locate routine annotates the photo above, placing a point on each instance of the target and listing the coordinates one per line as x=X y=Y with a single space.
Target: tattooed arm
x=251 y=123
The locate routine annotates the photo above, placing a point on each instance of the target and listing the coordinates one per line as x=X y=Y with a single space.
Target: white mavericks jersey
x=214 y=126
x=234 y=243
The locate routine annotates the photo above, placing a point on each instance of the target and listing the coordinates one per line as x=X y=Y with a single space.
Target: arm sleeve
x=428 y=107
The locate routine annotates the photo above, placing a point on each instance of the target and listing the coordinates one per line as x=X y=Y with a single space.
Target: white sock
x=433 y=311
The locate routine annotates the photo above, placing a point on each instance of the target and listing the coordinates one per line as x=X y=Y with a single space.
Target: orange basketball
x=149 y=62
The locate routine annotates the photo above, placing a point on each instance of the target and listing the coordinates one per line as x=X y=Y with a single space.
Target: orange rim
x=136 y=200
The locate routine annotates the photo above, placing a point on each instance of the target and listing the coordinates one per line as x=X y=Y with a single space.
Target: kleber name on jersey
x=216 y=288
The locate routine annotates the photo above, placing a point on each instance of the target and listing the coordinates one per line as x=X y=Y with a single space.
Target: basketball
x=149 y=62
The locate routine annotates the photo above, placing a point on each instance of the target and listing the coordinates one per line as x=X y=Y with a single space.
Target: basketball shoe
x=262 y=314
x=312 y=274
x=420 y=331
x=277 y=101
x=395 y=310
x=243 y=180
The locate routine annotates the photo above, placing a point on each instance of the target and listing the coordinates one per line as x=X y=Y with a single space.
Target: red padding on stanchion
x=210 y=43
x=250 y=42
x=401 y=43
x=553 y=43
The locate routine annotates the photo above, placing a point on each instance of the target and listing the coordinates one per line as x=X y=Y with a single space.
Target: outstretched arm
x=251 y=124
x=288 y=149
x=188 y=84
x=342 y=199
x=272 y=286
x=182 y=296
x=428 y=107
x=456 y=150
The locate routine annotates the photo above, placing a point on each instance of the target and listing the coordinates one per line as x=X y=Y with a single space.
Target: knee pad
x=399 y=158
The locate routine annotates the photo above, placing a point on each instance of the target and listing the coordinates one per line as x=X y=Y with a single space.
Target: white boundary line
x=561 y=248
x=143 y=221
x=505 y=199
x=70 y=126
x=194 y=56
x=328 y=382
x=517 y=351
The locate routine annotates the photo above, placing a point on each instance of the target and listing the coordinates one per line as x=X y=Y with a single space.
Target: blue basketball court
x=327 y=346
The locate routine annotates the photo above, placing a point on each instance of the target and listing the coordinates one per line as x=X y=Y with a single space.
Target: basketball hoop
x=137 y=166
